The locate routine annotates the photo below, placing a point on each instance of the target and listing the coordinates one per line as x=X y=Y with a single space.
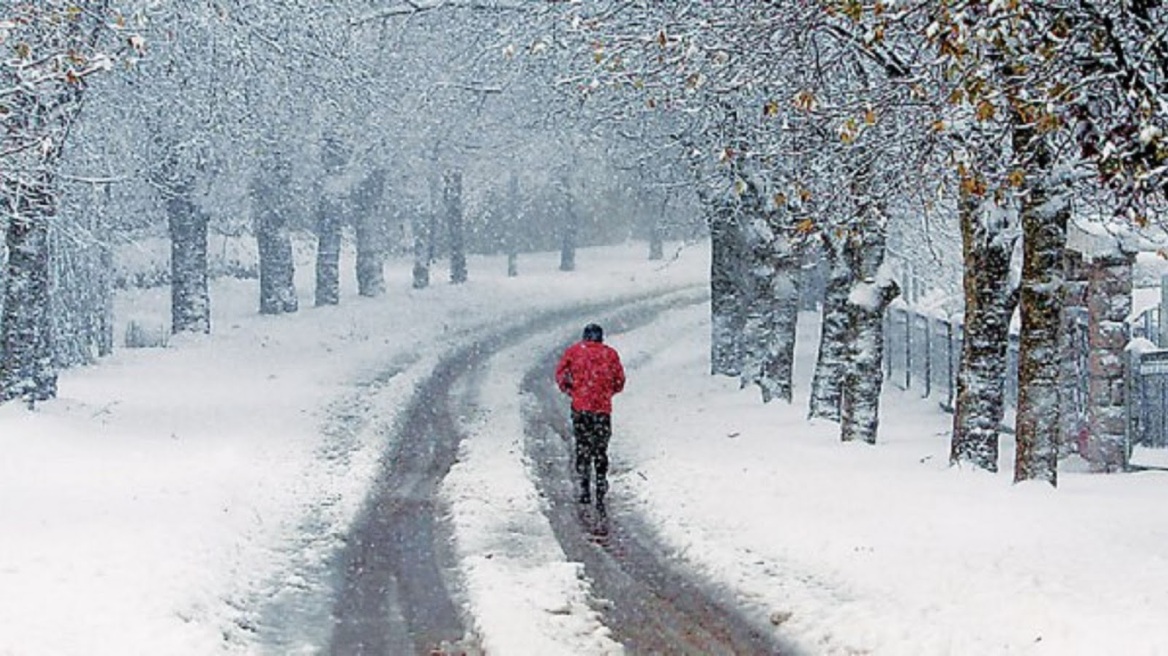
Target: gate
x=1149 y=410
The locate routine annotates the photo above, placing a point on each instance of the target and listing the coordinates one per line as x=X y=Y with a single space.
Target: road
x=393 y=587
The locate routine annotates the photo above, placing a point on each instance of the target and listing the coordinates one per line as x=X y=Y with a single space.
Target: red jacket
x=591 y=372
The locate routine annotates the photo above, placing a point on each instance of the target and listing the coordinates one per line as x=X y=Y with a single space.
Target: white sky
x=162 y=500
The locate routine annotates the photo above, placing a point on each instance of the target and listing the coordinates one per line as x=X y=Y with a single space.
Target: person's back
x=591 y=372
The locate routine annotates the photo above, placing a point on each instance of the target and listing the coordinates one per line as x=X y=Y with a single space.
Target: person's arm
x=564 y=374
x=618 y=373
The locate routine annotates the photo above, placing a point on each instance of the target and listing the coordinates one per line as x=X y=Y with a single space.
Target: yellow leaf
x=805 y=100
x=870 y=117
x=806 y=226
x=985 y=110
x=780 y=199
x=938 y=126
x=771 y=108
x=1017 y=177
x=854 y=10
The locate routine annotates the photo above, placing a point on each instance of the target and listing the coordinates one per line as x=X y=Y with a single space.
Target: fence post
x=1162 y=337
x=907 y=349
x=928 y=357
x=951 y=379
x=888 y=344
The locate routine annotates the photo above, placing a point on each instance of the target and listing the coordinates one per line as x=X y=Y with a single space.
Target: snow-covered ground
x=170 y=492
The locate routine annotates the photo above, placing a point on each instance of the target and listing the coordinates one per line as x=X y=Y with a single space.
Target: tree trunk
x=827 y=382
x=105 y=320
x=277 y=267
x=76 y=298
x=1045 y=212
x=423 y=251
x=863 y=379
x=569 y=233
x=512 y=223
x=989 y=304
x=656 y=239
x=329 y=219
x=452 y=201
x=27 y=370
x=190 y=302
x=867 y=300
x=369 y=221
x=771 y=303
x=727 y=318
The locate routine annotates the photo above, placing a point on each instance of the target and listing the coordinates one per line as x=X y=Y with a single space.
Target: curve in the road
x=391 y=592
x=393 y=597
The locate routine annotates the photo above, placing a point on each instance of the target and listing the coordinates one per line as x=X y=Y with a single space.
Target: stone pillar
x=1162 y=337
x=1109 y=302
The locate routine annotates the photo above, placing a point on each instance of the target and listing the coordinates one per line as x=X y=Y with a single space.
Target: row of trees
x=827 y=121
x=809 y=130
x=264 y=119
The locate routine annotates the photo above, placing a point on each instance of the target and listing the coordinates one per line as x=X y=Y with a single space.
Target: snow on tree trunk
x=43 y=92
x=329 y=219
x=423 y=250
x=569 y=230
x=987 y=246
x=656 y=238
x=190 y=301
x=27 y=368
x=511 y=226
x=277 y=267
x=770 y=300
x=80 y=295
x=1045 y=212
x=868 y=298
x=863 y=379
x=105 y=319
x=1109 y=302
x=369 y=221
x=727 y=319
x=831 y=362
x=452 y=201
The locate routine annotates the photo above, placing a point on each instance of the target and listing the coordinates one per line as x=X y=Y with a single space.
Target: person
x=590 y=372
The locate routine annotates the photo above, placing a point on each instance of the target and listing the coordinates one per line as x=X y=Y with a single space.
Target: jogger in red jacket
x=591 y=372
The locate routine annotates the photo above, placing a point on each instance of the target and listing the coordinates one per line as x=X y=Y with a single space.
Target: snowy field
x=165 y=496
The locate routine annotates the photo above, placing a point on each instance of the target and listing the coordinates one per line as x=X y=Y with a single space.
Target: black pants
x=593 y=430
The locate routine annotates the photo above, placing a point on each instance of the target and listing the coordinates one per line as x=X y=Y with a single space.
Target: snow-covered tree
x=50 y=51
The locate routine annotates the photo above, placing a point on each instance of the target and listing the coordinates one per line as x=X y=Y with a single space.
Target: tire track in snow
x=395 y=596
x=652 y=607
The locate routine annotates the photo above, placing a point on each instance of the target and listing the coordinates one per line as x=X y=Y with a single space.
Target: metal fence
x=923 y=353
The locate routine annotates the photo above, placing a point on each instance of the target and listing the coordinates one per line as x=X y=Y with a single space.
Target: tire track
x=655 y=607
